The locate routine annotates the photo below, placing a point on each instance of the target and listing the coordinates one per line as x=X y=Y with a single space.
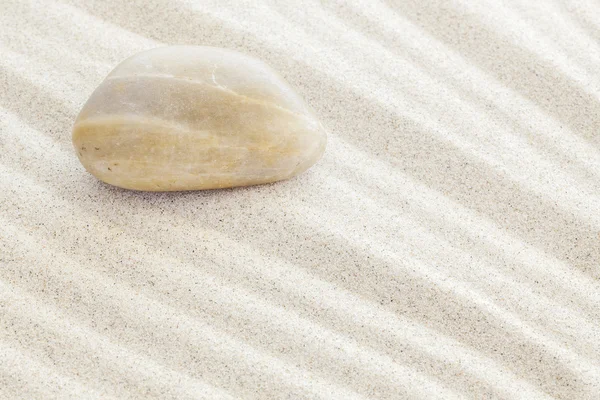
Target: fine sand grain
x=447 y=245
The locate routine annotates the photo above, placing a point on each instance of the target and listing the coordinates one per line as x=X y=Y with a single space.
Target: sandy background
x=447 y=246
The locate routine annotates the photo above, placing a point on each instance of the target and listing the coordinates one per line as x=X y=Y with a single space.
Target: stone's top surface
x=186 y=118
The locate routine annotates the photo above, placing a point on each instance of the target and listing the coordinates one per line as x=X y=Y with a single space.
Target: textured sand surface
x=447 y=245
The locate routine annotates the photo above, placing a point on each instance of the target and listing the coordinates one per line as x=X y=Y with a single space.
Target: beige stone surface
x=195 y=117
x=446 y=246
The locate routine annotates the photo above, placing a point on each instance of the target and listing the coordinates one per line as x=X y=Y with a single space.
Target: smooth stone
x=189 y=118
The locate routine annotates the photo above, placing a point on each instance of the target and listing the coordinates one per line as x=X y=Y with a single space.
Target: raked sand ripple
x=447 y=245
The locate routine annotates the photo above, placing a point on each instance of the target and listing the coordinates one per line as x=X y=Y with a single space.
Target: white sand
x=447 y=246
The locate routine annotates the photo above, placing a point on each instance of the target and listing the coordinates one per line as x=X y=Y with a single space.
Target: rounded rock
x=191 y=118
